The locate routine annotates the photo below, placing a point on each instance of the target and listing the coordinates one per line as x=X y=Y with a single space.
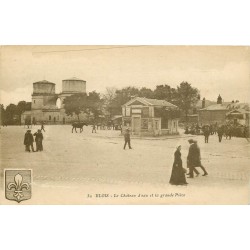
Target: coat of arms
x=18 y=185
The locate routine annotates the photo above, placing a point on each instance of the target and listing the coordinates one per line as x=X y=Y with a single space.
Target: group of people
x=193 y=161
x=29 y=139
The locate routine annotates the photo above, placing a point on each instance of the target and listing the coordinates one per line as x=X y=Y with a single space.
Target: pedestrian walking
x=178 y=172
x=194 y=159
x=190 y=160
x=206 y=134
x=127 y=139
x=28 y=141
x=39 y=140
x=199 y=159
x=220 y=133
x=42 y=127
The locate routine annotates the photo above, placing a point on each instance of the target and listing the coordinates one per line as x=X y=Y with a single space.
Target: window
x=34 y=101
x=50 y=117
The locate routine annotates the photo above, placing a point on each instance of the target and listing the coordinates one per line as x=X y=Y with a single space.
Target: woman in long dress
x=178 y=174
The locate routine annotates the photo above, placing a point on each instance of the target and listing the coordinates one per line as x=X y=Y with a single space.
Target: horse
x=79 y=125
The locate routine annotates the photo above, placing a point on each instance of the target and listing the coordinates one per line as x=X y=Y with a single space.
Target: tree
x=146 y=92
x=122 y=96
x=83 y=103
x=2 y=115
x=186 y=97
x=165 y=92
x=11 y=114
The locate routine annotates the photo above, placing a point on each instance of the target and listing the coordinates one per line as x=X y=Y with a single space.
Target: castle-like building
x=47 y=106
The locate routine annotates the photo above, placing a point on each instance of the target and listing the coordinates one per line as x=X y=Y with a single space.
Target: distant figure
x=220 y=133
x=194 y=158
x=39 y=140
x=94 y=128
x=206 y=134
x=28 y=141
x=178 y=172
x=127 y=139
x=42 y=127
x=228 y=132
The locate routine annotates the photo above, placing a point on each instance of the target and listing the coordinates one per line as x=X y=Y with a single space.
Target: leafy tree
x=186 y=97
x=146 y=92
x=83 y=103
x=122 y=96
x=11 y=114
x=2 y=115
x=165 y=92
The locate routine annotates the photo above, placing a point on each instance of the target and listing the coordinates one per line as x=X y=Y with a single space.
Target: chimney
x=219 y=100
x=203 y=105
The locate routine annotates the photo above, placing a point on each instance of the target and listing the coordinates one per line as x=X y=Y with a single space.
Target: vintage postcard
x=124 y=124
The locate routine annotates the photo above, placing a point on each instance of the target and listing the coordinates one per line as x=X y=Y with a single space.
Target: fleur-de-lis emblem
x=18 y=186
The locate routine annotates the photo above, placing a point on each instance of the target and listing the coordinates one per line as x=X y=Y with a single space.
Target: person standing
x=39 y=140
x=127 y=139
x=220 y=133
x=206 y=134
x=190 y=160
x=94 y=128
x=42 y=126
x=28 y=141
x=178 y=172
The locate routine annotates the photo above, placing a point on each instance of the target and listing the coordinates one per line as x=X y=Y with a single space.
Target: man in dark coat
x=28 y=141
x=127 y=139
x=206 y=134
x=39 y=140
x=220 y=133
x=191 y=160
x=194 y=158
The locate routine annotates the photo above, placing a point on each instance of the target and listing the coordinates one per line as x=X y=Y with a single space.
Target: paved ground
x=98 y=162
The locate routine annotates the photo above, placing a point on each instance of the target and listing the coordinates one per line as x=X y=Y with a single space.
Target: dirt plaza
x=81 y=168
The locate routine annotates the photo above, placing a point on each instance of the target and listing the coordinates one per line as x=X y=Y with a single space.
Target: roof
x=213 y=107
x=238 y=105
x=238 y=111
x=151 y=102
x=207 y=103
x=73 y=79
x=44 y=82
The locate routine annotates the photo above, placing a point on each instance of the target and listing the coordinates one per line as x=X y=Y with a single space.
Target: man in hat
x=194 y=159
x=39 y=140
x=127 y=139
x=190 y=160
x=28 y=141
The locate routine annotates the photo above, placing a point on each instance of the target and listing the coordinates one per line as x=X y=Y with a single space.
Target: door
x=136 y=129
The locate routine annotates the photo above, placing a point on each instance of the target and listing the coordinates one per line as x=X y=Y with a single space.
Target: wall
x=212 y=116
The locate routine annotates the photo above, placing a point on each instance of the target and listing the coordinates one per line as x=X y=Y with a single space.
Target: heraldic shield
x=18 y=185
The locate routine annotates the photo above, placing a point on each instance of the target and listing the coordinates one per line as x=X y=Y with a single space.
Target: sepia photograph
x=134 y=124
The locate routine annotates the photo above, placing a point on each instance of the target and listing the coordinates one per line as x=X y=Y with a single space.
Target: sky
x=214 y=70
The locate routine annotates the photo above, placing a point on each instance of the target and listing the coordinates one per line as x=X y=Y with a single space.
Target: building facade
x=150 y=117
x=48 y=107
x=215 y=113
